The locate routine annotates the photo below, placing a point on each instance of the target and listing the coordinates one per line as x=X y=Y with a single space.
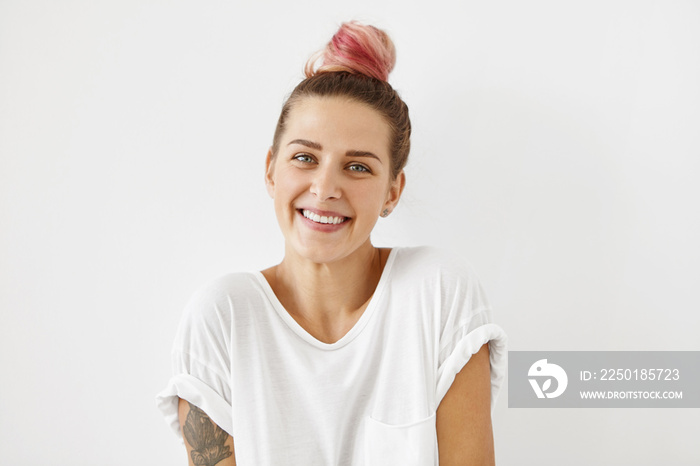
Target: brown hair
x=355 y=64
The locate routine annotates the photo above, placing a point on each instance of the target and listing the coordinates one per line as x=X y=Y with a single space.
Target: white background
x=556 y=146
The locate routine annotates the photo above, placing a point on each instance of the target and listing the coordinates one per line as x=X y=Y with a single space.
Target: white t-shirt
x=368 y=399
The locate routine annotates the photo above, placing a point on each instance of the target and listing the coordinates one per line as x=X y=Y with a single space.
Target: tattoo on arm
x=206 y=438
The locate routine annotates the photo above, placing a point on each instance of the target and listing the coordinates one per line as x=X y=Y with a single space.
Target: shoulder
x=216 y=300
x=429 y=274
x=432 y=264
x=225 y=285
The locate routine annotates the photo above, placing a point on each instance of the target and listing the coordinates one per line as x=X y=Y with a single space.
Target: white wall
x=556 y=146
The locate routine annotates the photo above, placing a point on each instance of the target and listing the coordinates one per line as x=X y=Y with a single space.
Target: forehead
x=338 y=124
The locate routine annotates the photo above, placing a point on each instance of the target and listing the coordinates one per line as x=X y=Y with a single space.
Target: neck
x=328 y=298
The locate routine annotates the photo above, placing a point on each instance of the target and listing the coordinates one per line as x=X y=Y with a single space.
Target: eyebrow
x=350 y=153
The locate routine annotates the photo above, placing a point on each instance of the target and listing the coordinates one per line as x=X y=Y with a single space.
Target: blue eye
x=359 y=168
x=304 y=158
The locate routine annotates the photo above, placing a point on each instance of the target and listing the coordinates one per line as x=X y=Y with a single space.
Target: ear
x=395 y=190
x=269 y=174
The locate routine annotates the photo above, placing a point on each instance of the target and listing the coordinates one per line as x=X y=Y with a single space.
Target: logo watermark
x=542 y=369
x=603 y=379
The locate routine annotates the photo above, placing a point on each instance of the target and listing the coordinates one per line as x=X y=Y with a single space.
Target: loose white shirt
x=368 y=399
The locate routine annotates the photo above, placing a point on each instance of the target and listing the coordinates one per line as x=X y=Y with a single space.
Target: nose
x=325 y=184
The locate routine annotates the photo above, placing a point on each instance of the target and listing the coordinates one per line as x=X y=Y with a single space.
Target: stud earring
x=385 y=213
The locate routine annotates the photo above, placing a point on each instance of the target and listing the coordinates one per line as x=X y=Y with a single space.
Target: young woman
x=343 y=353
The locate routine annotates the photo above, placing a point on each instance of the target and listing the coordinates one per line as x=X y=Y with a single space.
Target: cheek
x=381 y=191
x=372 y=198
x=287 y=188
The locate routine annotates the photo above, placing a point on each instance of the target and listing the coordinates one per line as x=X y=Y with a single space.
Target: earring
x=385 y=213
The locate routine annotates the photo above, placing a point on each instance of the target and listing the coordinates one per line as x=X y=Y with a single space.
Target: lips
x=323 y=218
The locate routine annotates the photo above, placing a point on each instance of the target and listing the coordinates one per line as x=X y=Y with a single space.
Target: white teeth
x=319 y=219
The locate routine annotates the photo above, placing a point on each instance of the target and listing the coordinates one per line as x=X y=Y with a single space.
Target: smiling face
x=331 y=177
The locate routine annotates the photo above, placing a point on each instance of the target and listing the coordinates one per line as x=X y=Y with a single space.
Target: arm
x=207 y=444
x=464 y=432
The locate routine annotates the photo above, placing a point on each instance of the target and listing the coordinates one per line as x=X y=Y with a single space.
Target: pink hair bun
x=356 y=48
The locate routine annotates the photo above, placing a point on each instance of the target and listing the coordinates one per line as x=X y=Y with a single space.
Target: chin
x=320 y=253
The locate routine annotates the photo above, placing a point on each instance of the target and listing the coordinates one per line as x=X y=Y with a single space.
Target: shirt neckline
x=353 y=332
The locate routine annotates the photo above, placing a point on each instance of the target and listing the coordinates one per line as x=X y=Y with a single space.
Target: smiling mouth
x=322 y=219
